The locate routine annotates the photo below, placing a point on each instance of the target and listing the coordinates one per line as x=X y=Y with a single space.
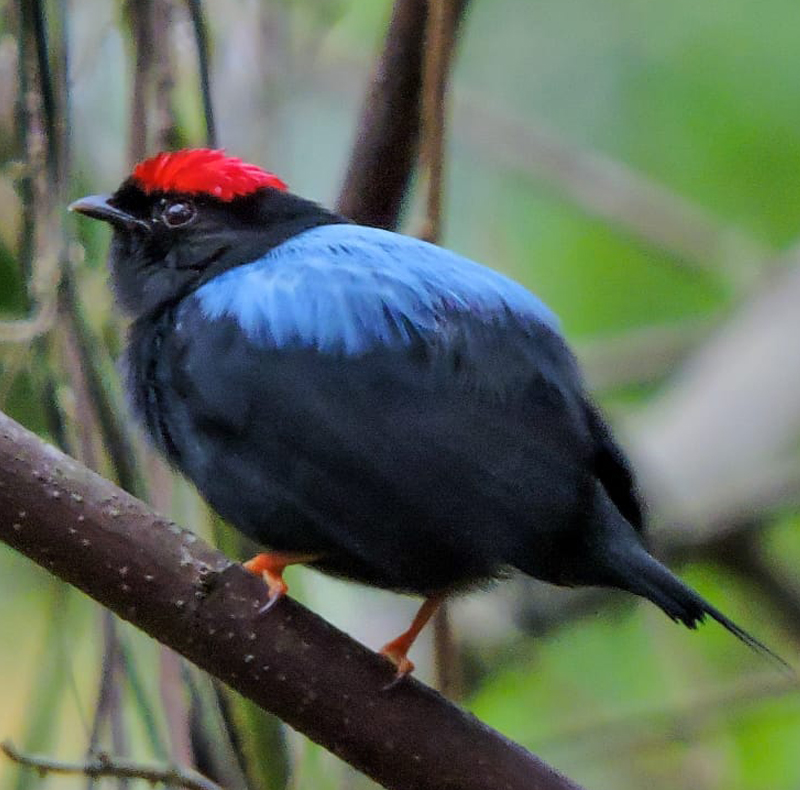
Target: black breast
x=149 y=390
x=415 y=469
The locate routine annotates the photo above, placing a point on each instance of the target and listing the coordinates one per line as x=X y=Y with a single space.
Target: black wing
x=614 y=471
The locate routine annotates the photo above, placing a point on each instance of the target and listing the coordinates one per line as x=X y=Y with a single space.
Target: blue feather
x=349 y=288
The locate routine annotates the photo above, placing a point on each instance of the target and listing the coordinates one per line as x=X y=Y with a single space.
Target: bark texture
x=190 y=597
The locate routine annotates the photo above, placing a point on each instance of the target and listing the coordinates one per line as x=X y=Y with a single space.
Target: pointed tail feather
x=647 y=577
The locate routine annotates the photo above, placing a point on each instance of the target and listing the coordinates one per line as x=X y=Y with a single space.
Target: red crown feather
x=203 y=171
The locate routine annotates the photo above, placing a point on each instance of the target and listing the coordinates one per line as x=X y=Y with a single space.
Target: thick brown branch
x=289 y=661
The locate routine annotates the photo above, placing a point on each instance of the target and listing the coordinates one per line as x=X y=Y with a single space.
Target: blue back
x=349 y=288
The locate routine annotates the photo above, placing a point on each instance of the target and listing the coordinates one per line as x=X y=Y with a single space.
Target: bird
x=364 y=402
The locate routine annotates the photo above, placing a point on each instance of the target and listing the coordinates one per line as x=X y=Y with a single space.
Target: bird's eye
x=178 y=213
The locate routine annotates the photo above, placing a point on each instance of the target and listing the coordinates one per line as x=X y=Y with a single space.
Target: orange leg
x=270 y=566
x=396 y=650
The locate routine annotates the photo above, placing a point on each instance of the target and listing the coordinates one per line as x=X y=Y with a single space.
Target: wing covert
x=349 y=289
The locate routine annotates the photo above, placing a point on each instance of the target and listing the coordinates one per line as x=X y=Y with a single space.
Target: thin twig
x=197 y=14
x=50 y=123
x=104 y=766
x=440 y=29
x=215 y=748
x=448 y=664
x=63 y=128
x=439 y=44
x=149 y=720
x=25 y=330
x=174 y=706
x=110 y=417
x=107 y=705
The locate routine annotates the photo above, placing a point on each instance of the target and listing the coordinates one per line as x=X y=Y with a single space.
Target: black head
x=184 y=217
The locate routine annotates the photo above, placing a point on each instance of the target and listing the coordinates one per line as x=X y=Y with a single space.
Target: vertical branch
x=108 y=414
x=140 y=15
x=42 y=241
x=46 y=93
x=38 y=244
x=107 y=705
x=198 y=17
x=385 y=148
x=166 y=134
x=43 y=244
x=440 y=33
x=215 y=752
x=173 y=702
x=447 y=659
x=23 y=122
x=63 y=136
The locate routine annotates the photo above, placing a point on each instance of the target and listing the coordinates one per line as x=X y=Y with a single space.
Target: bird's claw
x=274 y=596
x=403 y=664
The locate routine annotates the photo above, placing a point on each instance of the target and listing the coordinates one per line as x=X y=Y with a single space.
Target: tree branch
x=610 y=189
x=102 y=766
x=289 y=661
x=200 y=29
x=385 y=148
x=440 y=37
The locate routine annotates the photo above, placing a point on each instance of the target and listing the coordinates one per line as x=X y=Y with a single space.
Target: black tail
x=646 y=576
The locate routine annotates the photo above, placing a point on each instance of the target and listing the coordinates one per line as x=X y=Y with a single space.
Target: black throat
x=155 y=265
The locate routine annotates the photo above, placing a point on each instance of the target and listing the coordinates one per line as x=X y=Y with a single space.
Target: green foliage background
x=702 y=99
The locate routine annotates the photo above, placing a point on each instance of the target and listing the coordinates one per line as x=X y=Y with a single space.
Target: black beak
x=98 y=207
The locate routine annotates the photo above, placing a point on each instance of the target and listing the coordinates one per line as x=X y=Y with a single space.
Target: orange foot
x=270 y=566
x=397 y=650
